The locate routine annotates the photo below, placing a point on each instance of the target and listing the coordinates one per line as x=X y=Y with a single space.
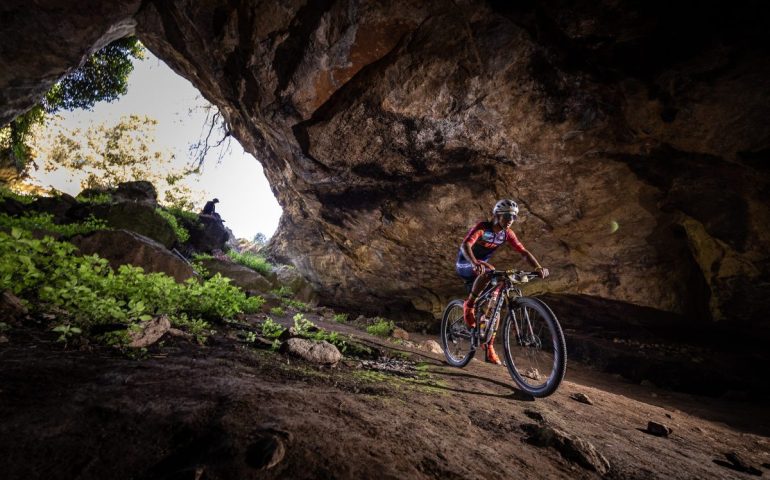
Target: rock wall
x=633 y=135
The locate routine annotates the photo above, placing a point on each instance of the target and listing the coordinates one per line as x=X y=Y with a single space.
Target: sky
x=246 y=203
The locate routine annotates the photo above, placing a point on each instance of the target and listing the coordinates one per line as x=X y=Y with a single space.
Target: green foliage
x=254 y=262
x=66 y=332
x=182 y=235
x=295 y=304
x=85 y=291
x=6 y=192
x=302 y=325
x=284 y=291
x=340 y=317
x=95 y=199
x=381 y=327
x=183 y=215
x=278 y=311
x=4 y=327
x=104 y=76
x=271 y=329
x=44 y=221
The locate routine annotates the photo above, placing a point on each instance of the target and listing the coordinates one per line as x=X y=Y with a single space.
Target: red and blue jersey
x=484 y=241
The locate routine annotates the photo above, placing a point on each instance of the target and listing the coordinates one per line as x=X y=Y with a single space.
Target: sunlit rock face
x=634 y=136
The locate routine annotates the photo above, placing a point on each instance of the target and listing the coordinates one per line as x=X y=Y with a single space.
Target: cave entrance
x=182 y=125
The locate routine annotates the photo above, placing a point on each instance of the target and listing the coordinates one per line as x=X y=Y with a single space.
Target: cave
x=633 y=136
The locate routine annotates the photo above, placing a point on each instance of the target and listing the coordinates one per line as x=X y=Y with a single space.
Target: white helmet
x=506 y=206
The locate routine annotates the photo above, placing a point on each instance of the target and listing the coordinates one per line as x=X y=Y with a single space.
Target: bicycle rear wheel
x=456 y=336
x=535 y=350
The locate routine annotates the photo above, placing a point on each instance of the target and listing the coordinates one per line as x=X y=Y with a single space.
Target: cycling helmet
x=506 y=206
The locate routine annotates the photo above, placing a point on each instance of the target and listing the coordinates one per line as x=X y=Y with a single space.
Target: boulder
x=430 y=346
x=322 y=352
x=288 y=276
x=59 y=206
x=208 y=234
x=571 y=447
x=137 y=217
x=11 y=307
x=241 y=276
x=658 y=429
x=400 y=333
x=138 y=192
x=150 y=332
x=121 y=247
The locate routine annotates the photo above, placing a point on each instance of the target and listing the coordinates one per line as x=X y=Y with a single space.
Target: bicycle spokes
x=531 y=345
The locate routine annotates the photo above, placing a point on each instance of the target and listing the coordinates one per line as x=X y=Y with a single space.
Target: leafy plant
x=295 y=304
x=6 y=192
x=4 y=327
x=340 y=317
x=182 y=235
x=284 y=291
x=103 y=198
x=303 y=325
x=66 y=332
x=271 y=329
x=45 y=222
x=183 y=215
x=278 y=311
x=85 y=291
x=255 y=262
x=381 y=327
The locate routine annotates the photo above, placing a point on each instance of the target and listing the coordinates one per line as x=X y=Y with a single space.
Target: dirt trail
x=230 y=411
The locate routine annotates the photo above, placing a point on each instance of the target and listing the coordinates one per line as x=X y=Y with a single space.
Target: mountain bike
x=532 y=339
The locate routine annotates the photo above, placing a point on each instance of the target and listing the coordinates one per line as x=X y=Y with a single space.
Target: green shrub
x=277 y=311
x=95 y=199
x=254 y=262
x=271 y=329
x=6 y=192
x=284 y=292
x=381 y=328
x=295 y=304
x=44 y=221
x=182 y=235
x=183 y=216
x=84 y=291
x=340 y=317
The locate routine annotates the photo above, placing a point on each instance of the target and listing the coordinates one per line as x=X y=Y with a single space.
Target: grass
x=277 y=311
x=295 y=304
x=253 y=261
x=340 y=317
x=381 y=327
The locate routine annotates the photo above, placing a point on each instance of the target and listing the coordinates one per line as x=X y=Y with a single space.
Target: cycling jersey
x=484 y=241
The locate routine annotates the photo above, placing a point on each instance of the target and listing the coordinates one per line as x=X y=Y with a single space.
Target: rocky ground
x=232 y=410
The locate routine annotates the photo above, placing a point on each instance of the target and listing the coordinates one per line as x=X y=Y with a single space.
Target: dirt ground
x=231 y=411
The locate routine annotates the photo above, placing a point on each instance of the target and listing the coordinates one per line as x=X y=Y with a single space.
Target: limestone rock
x=288 y=276
x=11 y=307
x=658 y=429
x=582 y=398
x=571 y=447
x=321 y=352
x=121 y=247
x=400 y=334
x=241 y=276
x=431 y=346
x=150 y=332
x=138 y=192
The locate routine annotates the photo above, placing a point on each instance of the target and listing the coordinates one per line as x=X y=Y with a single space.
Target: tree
x=260 y=238
x=103 y=77
x=106 y=155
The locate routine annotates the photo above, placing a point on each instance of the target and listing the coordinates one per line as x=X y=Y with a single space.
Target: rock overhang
x=387 y=130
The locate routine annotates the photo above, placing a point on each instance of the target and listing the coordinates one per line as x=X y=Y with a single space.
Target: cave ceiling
x=388 y=128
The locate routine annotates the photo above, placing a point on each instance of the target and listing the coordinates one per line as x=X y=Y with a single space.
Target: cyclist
x=472 y=261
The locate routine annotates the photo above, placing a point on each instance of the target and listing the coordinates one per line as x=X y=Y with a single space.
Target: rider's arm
x=519 y=247
x=467 y=245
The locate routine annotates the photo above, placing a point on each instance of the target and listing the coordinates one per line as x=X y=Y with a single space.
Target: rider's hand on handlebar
x=543 y=272
x=481 y=266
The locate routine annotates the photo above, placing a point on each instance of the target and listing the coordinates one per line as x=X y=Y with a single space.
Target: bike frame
x=507 y=292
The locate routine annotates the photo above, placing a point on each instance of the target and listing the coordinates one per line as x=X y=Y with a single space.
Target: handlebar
x=515 y=273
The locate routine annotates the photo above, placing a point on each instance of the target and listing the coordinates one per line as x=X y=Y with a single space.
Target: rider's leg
x=468 y=307
x=489 y=351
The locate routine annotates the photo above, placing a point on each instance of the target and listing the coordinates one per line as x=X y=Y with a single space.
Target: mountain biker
x=472 y=261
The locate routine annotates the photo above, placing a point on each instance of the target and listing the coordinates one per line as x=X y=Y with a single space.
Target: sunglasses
x=507 y=216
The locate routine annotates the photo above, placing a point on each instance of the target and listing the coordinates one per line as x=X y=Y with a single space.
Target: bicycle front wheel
x=455 y=336
x=535 y=350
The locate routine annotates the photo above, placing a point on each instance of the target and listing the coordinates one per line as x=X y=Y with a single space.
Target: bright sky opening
x=246 y=203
